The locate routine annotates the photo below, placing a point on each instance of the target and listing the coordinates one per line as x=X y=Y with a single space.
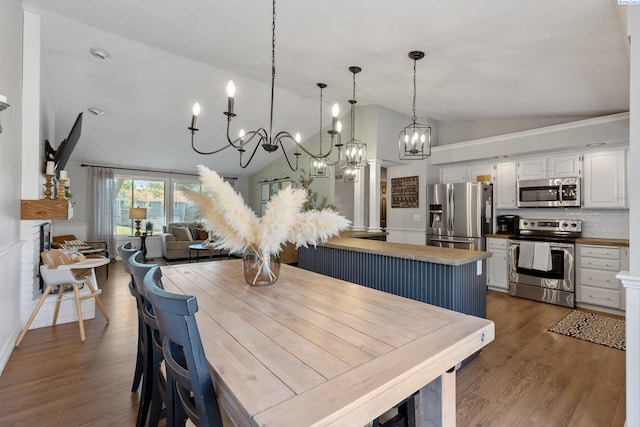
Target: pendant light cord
x=273 y=67
x=414 y=118
x=353 y=109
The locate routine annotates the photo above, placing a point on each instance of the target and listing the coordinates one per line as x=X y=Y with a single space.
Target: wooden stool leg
x=100 y=306
x=58 y=300
x=33 y=315
x=79 y=309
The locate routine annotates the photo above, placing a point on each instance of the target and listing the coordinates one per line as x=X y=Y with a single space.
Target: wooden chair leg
x=58 y=301
x=33 y=315
x=79 y=309
x=98 y=301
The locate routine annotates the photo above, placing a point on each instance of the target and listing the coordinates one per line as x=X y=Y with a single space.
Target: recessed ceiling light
x=596 y=144
x=95 y=111
x=100 y=54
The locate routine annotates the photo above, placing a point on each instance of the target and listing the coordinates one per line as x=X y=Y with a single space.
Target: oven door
x=560 y=277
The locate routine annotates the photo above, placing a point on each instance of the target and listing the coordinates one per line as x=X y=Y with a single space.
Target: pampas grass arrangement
x=236 y=227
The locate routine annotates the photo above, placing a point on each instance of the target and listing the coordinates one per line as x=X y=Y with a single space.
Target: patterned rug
x=593 y=327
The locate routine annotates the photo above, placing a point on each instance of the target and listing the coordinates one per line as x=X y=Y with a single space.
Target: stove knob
x=574 y=225
x=525 y=223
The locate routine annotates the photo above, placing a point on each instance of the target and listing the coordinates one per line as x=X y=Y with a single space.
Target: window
x=183 y=209
x=141 y=193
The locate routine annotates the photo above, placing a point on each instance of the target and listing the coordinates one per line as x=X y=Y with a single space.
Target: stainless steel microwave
x=545 y=193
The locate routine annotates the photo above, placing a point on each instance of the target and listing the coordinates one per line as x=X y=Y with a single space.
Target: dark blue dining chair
x=190 y=389
x=126 y=251
x=153 y=395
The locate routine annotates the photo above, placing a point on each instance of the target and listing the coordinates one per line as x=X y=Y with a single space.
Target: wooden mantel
x=46 y=209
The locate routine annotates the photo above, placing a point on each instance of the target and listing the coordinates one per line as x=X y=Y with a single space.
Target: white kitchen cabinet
x=504 y=188
x=451 y=174
x=564 y=166
x=465 y=173
x=605 y=180
x=596 y=283
x=552 y=166
x=497 y=265
x=532 y=168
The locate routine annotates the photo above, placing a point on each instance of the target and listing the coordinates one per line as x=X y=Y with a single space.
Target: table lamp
x=138 y=214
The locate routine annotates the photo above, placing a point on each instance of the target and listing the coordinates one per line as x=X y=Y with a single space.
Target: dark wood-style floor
x=526 y=377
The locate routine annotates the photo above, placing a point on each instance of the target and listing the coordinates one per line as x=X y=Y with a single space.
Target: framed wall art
x=404 y=192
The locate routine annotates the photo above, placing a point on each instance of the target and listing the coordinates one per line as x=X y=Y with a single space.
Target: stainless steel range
x=542 y=260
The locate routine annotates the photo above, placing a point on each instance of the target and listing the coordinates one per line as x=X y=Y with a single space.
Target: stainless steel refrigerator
x=459 y=215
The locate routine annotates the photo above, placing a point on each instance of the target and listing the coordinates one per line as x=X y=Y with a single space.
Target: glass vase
x=260 y=269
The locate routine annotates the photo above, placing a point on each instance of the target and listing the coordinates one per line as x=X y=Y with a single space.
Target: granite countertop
x=430 y=254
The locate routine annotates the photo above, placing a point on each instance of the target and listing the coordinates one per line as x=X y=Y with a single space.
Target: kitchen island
x=449 y=278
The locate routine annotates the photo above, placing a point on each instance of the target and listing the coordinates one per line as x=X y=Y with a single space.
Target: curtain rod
x=84 y=165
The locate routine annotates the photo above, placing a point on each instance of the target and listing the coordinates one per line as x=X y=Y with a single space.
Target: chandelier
x=355 y=151
x=414 y=142
x=318 y=164
x=261 y=136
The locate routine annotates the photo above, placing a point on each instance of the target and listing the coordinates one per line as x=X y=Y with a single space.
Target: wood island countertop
x=430 y=254
x=602 y=241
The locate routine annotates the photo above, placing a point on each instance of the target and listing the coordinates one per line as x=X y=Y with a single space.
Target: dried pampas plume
x=236 y=226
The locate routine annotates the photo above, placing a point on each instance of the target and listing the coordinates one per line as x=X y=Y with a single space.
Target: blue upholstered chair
x=153 y=395
x=126 y=251
x=190 y=390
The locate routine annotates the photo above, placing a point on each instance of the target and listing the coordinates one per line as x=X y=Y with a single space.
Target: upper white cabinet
x=532 y=168
x=605 y=179
x=553 y=166
x=453 y=174
x=563 y=166
x=468 y=173
x=505 y=185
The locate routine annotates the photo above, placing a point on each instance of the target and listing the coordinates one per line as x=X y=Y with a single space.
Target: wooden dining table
x=311 y=350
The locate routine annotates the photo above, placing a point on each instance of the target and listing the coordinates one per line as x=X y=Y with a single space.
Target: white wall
x=453 y=132
x=408 y=225
x=10 y=146
x=633 y=286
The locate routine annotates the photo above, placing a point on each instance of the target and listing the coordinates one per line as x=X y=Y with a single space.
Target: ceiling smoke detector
x=95 y=111
x=100 y=54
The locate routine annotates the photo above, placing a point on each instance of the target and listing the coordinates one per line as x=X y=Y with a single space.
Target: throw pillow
x=202 y=234
x=194 y=235
x=181 y=233
x=74 y=242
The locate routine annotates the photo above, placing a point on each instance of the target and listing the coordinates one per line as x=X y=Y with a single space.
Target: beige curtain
x=101 y=206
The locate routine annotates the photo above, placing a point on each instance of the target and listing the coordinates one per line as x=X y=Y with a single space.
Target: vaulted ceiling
x=484 y=60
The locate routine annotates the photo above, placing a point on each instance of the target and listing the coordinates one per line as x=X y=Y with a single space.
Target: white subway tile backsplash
x=605 y=223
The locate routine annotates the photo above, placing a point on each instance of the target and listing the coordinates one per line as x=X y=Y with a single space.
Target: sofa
x=178 y=236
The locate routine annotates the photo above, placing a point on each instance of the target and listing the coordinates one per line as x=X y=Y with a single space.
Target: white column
x=375 y=172
x=632 y=288
x=358 y=202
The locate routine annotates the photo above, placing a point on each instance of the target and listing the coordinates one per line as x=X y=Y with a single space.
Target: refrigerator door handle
x=451 y=210
x=436 y=239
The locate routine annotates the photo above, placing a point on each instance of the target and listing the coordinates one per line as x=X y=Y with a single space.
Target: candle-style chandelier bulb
x=414 y=142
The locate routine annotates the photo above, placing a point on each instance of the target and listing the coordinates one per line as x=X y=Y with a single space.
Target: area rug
x=593 y=327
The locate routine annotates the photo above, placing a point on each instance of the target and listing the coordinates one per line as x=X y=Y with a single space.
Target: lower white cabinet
x=497 y=265
x=597 y=267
